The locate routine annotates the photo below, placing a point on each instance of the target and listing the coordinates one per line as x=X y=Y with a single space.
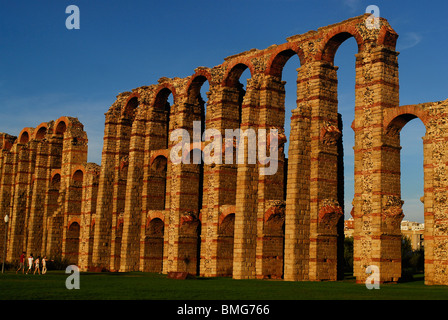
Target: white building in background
x=412 y=230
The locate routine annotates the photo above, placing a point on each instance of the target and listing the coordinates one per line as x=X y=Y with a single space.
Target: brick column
x=120 y=177
x=325 y=210
x=37 y=210
x=88 y=210
x=24 y=167
x=244 y=265
x=271 y=204
x=130 y=246
x=220 y=182
x=74 y=155
x=435 y=148
x=111 y=181
x=311 y=229
x=377 y=196
x=6 y=179
x=53 y=199
x=297 y=212
x=155 y=190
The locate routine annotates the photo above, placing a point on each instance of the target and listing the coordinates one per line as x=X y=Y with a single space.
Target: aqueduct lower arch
x=283 y=225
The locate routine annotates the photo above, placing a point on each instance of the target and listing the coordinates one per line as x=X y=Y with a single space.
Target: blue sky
x=48 y=71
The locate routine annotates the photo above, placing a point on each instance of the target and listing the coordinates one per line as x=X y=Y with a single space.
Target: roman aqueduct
x=138 y=211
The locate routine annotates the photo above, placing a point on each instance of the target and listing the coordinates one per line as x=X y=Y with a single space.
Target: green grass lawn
x=148 y=286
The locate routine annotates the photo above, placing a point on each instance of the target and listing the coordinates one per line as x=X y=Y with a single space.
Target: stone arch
x=131 y=105
x=25 y=135
x=41 y=131
x=154 y=215
x=225 y=212
x=161 y=104
x=195 y=83
x=196 y=102
x=159 y=163
x=161 y=95
x=272 y=241
x=232 y=104
x=69 y=123
x=164 y=153
x=55 y=179
x=226 y=224
x=75 y=194
x=280 y=57
x=226 y=239
x=235 y=70
x=333 y=39
x=157 y=183
x=394 y=211
x=153 y=244
x=61 y=126
x=396 y=118
x=77 y=176
x=72 y=241
x=194 y=86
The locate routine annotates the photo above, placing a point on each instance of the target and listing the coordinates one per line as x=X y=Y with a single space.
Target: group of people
x=33 y=263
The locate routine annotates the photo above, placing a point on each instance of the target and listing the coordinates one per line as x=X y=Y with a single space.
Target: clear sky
x=48 y=71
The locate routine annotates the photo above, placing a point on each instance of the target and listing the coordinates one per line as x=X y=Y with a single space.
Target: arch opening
x=72 y=243
x=153 y=251
x=24 y=137
x=226 y=236
x=332 y=45
x=157 y=184
x=41 y=133
x=340 y=51
x=163 y=102
x=192 y=201
x=412 y=180
x=198 y=100
x=408 y=173
x=61 y=127
x=131 y=107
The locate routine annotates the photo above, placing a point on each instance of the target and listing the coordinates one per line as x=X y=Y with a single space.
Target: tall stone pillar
x=130 y=246
x=297 y=212
x=435 y=161
x=245 y=245
x=311 y=228
x=74 y=155
x=88 y=211
x=271 y=204
x=377 y=201
x=112 y=180
x=6 y=179
x=53 y=198
x=23 y=171
x=220 y=184
x=37 y=210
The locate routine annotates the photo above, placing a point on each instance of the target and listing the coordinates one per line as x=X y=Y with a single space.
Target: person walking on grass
x=22 y=263
x=44 y=264
x=30 y=263
x=36 y=266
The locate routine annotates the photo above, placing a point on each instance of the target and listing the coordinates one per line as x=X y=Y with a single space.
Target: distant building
x=349 y=226
x=412 y=230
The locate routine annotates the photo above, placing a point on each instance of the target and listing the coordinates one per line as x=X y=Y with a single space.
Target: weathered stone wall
x=40 y=189
x=140 y=210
